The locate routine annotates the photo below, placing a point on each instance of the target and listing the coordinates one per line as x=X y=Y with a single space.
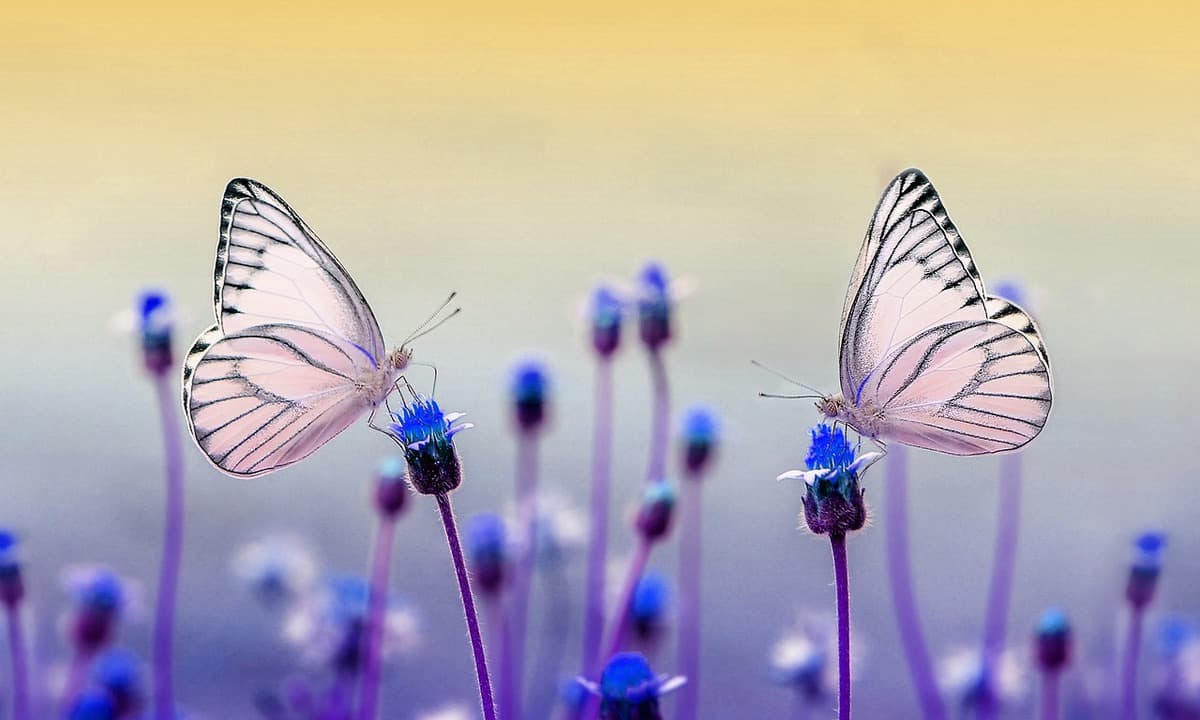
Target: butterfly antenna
x=433 y=327
x=789 y=397
x=787 y=379
x=420 y=329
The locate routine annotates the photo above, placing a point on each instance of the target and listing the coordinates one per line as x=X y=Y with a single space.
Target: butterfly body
x=927 y=357
x=296 y=355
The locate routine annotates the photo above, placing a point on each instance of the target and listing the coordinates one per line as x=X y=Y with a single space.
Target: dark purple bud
x=700 y=434
x=1052 y=641
x=607 y=311
x=529 y=391
x=391 y=487
x=654 y=516
x=654 y=307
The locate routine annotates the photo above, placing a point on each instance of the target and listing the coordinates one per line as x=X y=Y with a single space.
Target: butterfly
x=927 y=357
x=296 y=355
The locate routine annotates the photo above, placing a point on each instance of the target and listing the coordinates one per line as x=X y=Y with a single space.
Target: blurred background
x=519 y=154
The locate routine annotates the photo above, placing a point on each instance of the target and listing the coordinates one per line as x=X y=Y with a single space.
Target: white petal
x=670 y=685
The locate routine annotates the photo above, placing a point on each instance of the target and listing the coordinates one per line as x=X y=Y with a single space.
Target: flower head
x=279 y=569
x=700 y=434
x=12 y=585
x=426 y=436
x=560 y=528
x=530 y=387
x=833 y=500
x=119 y=672
x=606 y=312
x=155 y=323
x=654 y=516
x=100 y=598
x=330 y=625
x=651 y=599
x=629 y=690
x=806 y=658
x=391 y=487
x=487 y=551
x=1052 y=640
x=93 y=704
x=1148 y=550
x=654 y=306
x=963 y=676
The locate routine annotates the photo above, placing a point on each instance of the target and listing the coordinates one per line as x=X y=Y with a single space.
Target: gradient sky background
x=517 y=154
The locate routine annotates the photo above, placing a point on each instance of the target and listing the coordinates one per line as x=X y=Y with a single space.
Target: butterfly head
x=832 y=406
x=398 y=359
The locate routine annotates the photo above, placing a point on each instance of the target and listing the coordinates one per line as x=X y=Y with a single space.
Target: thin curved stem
x=841 y=575
x=172 y=552
x=381 y=566
x=908 y=620
x=1004 y=563
x=620 y=621
x=1049 y=709
x=688 y=662
x=501 y=637
x=1129 y=665
x=552 y=645
x=527 y=482
x=76 y=679
x=19 y=660
x=486 y=700
x=593 y=614
x=656 y=467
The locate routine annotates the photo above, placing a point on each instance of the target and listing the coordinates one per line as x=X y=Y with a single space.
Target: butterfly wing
x=924 y=344
x=271 y=268
x=263 y=398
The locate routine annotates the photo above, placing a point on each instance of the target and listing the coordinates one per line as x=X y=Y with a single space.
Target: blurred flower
x=806 y=657
x=329 y=625
x=606 y=312
x=1014 y=291
x=629 y=690
x=961 y=675
x=833 y=500
x=93 y=704
x=100 y=599
x=1145 y=568
x=391 y=486
x=561 y=527
x=487 y=551
x=119 y=672
x=426 y=436
x=12 y=585
x=1177 y=694
x=278 y=568
x=654 y=515
x=700 y=435
x=654 y=306
x=453 y=711
x=155 y=323
x=530 y=387
x=648 y=609
x=1052 y=641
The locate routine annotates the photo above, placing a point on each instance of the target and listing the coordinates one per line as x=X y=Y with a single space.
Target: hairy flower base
x=835 y=514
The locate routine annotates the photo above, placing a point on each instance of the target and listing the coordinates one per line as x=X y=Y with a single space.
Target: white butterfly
x=296 y=355
x=928 y=358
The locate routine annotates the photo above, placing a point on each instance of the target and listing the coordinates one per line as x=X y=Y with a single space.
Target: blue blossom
x=629 y=690
x=1052 y=640
x=654 y=515
x=487 y=551
x=119 y=672
x=155 y=323
x=606 y=312
x=651 y=598
x=1148 y=551
x=278 y=568
x=833 y=499
x=426 y=435
x=654 y=306
x=330 y=625
x=93 y=704
x=1013 y=291
x=391 y=486
x=805 y=658
x=962 y=675
x=700 y=433
x=12 y=584
x=100 y=599
x=530 y=386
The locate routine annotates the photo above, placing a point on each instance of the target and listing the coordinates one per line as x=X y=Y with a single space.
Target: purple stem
x=1129 y=666
x=593 y=628
x=76 y=678
x=689 y=599
x=172 y=551
x=1004 y=562
x=620 y=622
x=527 y=481
x=1049 y=695
x=904 y=603
x=368 y=702
x=502 y=644
x=656 y=468
x=552 y=646
x=468 y=601
x=841 y=576
x=338 y=706
x=19 y=661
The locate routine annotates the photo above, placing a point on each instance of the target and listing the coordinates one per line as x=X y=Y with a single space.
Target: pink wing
x=272 y=268
x=917 y=305
x=263 y=398
x=964 y=388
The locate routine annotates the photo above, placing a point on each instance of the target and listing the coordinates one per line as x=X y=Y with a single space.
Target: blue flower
x=629 y=690
x=700 y=434
x=101 y=598
x=330 y=625
x=120 y=673
x=426 y=436
x=1148 y=551
x=279 y=569
x=391 y=486
x=1013 y=291
x=651 y=597
x=1174 y=634
x=12 y=584
x=654 y=515
x=654 y=306
x=806 y=658
x=1052 y=640
x=487 y=550
x=93 y=704
x=530 y=385
x=606 y=311
x=832 y=500
x=155 y=323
